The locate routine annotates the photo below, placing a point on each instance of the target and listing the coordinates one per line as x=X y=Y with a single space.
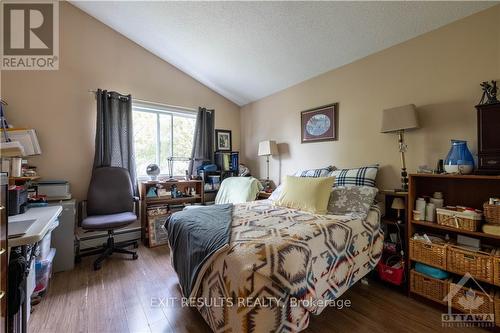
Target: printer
x=54 y=189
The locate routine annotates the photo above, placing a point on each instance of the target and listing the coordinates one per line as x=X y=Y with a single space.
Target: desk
x=44 y=218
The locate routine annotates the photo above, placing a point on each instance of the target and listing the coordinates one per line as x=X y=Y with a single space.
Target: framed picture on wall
x=319 y=124
x=223 y=140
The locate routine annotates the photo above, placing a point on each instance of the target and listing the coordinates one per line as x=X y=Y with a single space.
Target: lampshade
x=267 y=148
x=399 y=118
x=398 y=203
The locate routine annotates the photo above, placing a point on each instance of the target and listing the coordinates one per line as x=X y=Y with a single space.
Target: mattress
x=282 y=265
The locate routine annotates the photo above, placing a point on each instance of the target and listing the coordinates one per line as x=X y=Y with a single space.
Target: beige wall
x=440 y=72
x=57 y=103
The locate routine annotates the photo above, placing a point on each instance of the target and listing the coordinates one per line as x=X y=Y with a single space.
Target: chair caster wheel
x=135 y=256
x=78 y=259
x=97 y=267
x=136 y=245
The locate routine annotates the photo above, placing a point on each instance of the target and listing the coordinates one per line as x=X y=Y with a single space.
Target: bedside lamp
x=268 y=148
x=398 y=204
x=397 y=120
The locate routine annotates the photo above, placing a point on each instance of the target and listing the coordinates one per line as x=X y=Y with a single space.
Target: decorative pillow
x=314 y=173
x=306 y=193
x=364 y=176
x=353 y=199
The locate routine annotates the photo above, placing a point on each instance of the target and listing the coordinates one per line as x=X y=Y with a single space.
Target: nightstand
x=263 y=195
x=394 y=223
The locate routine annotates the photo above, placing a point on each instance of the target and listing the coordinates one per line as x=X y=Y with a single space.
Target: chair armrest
x=135 y=199
x=82 y=212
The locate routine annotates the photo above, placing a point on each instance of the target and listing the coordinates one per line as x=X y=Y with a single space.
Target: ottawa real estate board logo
x=30 y=35
x=474 y=305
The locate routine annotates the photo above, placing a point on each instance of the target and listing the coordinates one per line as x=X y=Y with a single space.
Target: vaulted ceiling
x=248 y=50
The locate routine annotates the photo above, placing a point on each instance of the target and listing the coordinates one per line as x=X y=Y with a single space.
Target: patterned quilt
x=283 y=265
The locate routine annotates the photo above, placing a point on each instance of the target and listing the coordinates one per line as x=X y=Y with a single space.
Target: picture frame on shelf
x=157 y=232
x=319 y=124
x=223 y=140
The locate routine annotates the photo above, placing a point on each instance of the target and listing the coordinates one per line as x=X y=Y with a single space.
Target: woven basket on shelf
x=497 y=308
x=496 y=269
x=429 y=287
x=459 y=294
x=491 y=213
x=433 y=254
x=457 y=219
x=479 y=264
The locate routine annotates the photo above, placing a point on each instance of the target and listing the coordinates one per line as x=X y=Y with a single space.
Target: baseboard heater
x=88 y=242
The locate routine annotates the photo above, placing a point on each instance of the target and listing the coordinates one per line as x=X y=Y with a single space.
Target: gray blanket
x=194 y=235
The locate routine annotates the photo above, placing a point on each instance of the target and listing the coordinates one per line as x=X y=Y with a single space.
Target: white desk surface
x=44 y=217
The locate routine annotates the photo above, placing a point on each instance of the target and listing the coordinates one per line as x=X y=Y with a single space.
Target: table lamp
x=397 y=120
x=268 y=148
x=398 y=204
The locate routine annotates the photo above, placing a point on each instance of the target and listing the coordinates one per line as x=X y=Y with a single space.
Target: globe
x=153 y=171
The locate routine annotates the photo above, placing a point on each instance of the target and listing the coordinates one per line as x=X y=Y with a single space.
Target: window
x=162 y=132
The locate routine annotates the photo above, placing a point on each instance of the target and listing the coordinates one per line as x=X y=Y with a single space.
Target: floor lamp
x=397 y=120
x=268 y=148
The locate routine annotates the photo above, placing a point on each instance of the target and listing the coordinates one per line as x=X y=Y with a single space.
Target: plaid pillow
x=364 y=176
x=315 y=173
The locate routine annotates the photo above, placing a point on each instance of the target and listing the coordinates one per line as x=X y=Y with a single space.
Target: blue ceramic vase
x=459 y=159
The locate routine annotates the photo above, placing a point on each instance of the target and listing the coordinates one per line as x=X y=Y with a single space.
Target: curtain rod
x=154 y=103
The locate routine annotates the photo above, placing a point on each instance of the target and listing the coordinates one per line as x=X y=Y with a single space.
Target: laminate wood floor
x=121 y=298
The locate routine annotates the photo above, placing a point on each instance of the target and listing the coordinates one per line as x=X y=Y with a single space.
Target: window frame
x=159 y=109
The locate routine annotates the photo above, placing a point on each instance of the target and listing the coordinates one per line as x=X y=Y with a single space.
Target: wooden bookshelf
x=173 y=203
x=458 y=190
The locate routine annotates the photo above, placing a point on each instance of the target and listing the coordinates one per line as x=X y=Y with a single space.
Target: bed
x=281 y=265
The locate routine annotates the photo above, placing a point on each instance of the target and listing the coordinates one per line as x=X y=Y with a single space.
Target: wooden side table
x=398 y=225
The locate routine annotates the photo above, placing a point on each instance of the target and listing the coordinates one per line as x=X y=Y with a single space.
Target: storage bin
x=479 y=264
x=497 y=308
x=433 y=254
x=484 y=301
x=455 y=218
x=18 y=198
x=394 y=275
x=428 y=287
x=496 y=268
x=43 y=271
x=491 y=213
x=44 y=244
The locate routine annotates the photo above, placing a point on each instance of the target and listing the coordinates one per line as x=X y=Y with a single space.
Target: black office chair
x=110 y=205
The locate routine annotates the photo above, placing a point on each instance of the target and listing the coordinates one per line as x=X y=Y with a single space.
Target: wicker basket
x=496 y=269
x=497 y=308
x=433 y=254
x=428 y=287
x=458 y=219
x=479 y=264
x=491 y=213
x=459 y=293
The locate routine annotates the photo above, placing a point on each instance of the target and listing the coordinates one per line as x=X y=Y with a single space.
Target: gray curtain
x=114 y=143
x=203 y=143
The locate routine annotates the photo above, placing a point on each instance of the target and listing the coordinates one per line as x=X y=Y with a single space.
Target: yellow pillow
x=306 y=193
